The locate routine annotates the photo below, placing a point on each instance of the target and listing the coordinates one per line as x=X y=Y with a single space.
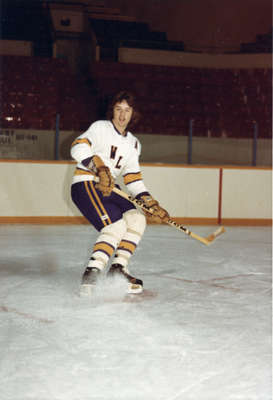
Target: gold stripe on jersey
x=132 y=177
x=99 y=202
x=94 y=203
x=127 y=246
x=79 y=171
x=81 y=141
x=104 y=247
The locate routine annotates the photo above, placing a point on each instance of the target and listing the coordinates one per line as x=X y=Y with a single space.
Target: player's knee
x=135 y=221
x=114 y=232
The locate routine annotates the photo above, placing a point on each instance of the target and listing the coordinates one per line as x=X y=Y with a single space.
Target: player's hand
x=106 y=183
x=159 y=214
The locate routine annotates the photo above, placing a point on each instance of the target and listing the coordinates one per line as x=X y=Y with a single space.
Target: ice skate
x=135 y=286
x=89 y=281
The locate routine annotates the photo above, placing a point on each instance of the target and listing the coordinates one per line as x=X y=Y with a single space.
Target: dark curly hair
x=130 y=98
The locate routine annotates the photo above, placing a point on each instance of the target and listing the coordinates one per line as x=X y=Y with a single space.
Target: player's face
x=122 y=115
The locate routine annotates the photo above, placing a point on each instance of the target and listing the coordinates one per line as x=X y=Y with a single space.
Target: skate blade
x=87 y=290
x=134 y=289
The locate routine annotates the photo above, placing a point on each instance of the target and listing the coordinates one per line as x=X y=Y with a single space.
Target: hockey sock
x=106 y=244
x=136 y=223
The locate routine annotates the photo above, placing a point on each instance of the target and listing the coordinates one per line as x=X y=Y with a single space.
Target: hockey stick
x=207 y=241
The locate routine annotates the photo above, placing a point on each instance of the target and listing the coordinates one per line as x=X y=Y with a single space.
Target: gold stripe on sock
x=127 y=246
x=105 y=247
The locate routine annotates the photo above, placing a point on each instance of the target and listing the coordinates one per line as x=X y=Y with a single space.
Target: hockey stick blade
x=182 y=228
x=215 y=234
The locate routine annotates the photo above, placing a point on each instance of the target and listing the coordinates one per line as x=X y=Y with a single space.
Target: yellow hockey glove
x=106 y=181
x=159 y=214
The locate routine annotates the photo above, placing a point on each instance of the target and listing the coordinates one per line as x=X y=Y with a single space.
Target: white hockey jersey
x=119 y=153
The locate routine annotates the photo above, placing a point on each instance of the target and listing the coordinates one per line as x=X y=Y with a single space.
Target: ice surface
x=201 y=332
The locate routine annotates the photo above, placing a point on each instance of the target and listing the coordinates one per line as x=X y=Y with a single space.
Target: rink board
x=39 y=192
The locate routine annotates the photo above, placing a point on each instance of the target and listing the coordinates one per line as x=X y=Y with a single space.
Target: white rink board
x=247 y=193
x=43 y=189
x=185 y=192
x=36 y=189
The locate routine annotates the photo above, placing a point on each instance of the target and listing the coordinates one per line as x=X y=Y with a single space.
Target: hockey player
x=106 y=151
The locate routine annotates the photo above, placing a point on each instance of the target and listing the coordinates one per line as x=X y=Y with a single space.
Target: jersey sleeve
x=83 y=147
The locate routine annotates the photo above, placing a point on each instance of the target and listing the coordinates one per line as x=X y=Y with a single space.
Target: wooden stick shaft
x=207 y=241
x=169 y=222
